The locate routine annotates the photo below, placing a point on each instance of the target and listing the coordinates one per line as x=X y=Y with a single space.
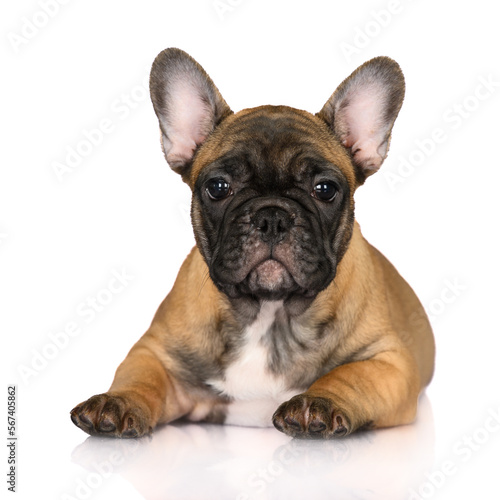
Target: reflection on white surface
x=210 y=462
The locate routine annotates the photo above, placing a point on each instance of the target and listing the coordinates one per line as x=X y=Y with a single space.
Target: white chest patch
x=256 y=391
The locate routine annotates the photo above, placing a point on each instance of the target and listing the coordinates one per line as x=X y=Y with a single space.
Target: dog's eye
x=218 y=189
x=325 y=191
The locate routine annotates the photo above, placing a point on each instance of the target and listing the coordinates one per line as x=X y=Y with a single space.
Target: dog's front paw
x=306 y=416
x=112 y=415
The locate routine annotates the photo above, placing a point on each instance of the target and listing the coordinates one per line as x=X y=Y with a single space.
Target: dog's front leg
x=379 y=392
x=142 y=394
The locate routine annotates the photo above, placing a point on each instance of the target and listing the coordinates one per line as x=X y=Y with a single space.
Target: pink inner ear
x=361 y=126
x=189 y=123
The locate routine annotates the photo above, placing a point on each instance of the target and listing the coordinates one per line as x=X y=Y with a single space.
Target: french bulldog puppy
x=283 y=313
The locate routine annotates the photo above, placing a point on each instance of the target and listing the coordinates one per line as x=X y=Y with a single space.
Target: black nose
x=273 y=224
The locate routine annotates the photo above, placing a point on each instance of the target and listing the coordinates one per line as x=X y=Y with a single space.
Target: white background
x=122 y=210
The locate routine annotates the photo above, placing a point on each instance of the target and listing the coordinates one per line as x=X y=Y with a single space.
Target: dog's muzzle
x=270 y=249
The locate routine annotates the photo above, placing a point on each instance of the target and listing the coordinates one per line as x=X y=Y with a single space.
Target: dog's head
x=273 y=186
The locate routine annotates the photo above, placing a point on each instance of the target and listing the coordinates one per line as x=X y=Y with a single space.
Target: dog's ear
x=187 y=104
x=362 y=111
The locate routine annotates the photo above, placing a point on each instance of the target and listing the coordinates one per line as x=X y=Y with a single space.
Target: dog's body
x=282 y=313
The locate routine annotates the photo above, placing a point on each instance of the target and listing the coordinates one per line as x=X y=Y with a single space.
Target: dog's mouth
x=270 y=279
x=270 y=276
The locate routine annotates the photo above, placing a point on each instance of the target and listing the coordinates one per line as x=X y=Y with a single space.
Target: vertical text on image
x=11 y=438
